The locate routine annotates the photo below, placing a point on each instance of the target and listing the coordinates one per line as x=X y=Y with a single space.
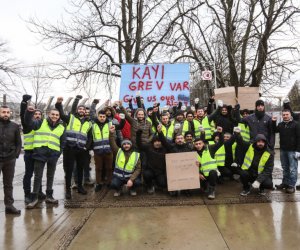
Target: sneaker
x=245 y=192
x=290 y=190
x=51 y=200
x=211 y=193
x=74 y=186
x=262 y=192
x=151 y=190
x=132 y=192
x=41 y=196
x=88 y=182
x=12 y=210
x=281 y=186
x=33 y=202
x=98 y=187
x=117 y=193
x=27 y=198
x=81 y=190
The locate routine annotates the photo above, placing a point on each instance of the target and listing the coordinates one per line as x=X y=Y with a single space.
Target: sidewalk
x=101 y=221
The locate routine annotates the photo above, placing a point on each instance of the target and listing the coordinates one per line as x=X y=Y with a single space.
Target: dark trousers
x=72 y=156
x=225 y=171
x=7 y=168
x=38 y=174
x=249 y=177
x=117 y=183
x=150 y=176
x=29 y=170
x=86 y=169
x=211 y=179
x=103 y=162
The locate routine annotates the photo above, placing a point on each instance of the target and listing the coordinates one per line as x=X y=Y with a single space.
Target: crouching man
x=127 y=165
x=258 y=165
x=208 y=168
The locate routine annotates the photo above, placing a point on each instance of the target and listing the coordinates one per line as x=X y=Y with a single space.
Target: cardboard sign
x=182 y=172
x=167 y=84
x=227 y=95
x=247 y=97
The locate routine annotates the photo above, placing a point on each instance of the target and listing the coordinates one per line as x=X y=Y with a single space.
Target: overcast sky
x=24 y=45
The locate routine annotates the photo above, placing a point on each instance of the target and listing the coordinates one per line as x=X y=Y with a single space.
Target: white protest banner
x=164 y=83
x=227 y=95
x=182 y=172
x=247 y=97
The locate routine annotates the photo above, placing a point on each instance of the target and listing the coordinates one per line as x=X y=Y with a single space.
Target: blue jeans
x=290 y=167
x=117 y=182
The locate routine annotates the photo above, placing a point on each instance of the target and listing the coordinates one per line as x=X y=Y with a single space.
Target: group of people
x=129 y=146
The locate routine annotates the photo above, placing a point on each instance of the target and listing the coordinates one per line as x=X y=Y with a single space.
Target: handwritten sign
x=164 y=83
x=182 y=172
x=247 y=97
x=227 y=95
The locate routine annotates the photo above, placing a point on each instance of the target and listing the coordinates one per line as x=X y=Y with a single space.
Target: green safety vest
x=249 y=158
x=153 y=129
x=28 y=140
x=208 y=128
x=245 y=132
x=125 y=170
x=196 y=131
x=101 y=139
x=220 y=155
x=45 y=137
x=76 y=132
x=168 y=132
x=207 y=163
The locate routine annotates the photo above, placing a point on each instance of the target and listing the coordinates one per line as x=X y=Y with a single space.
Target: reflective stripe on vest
x=45 y=137
x=168 y=132
x=76 y=133
x=220 y=155
x=207 y=163
x=245 y=132
x=123 y=170
x=101 y=139
x=249 y=158
x=186 y=128
x=28 y=140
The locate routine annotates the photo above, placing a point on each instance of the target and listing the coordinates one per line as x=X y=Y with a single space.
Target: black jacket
x=289 y=133
x=173 y=147
x=268 y=168
x=10 y=140
x=155 y=156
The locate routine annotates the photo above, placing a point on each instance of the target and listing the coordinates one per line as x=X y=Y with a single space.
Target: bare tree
x=102 y=34
x=251 y=41
x=8 y=68
x=294 y=96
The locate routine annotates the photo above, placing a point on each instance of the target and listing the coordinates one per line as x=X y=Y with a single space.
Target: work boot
x=12 y=210
x=290 y=190
x=281 y=186
x=151 y=190
x=34 y=201
x=211 y=193
x=68 y=194
x=41 y=196
x=98 y=187
x=81 y=190
x=49 y=197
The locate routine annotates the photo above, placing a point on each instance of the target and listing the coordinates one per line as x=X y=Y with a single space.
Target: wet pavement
x=100 y=221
